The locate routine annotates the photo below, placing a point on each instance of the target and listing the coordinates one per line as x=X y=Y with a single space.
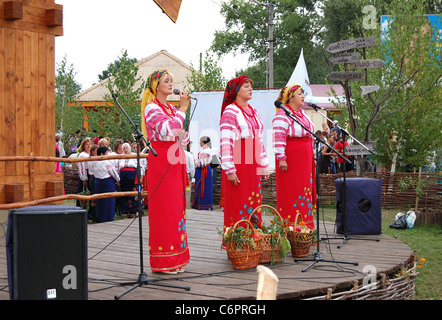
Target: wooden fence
x=59 y=193
x=429 y=203
x=393 y=197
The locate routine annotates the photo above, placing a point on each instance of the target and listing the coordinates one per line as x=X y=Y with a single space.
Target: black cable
x=170 y=163
x=329 y=246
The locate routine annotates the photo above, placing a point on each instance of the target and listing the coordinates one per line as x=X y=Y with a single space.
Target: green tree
x=209 y=78
x=112 y=67
x=296 y=27
x=127 y=88
x=403 y=116
x=68 y=119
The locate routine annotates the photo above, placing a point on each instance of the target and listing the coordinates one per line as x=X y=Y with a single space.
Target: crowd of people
x=95 y=177
x=328 y=161
x=170 y=176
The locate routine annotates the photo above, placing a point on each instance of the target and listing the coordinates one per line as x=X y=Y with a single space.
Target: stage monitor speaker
x=363 y=199
x=48 y=253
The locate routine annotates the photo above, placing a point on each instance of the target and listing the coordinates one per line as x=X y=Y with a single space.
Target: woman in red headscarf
x=243 y=157
x=294 y=160
x=167 y=175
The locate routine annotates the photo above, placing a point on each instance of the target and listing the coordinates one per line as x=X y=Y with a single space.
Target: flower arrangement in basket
x=243 y=245
x=300 y=238
x=275 y=244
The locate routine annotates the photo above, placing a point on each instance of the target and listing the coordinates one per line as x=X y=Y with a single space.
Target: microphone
x=314 y=106
x=178 y=91
x=280 y=105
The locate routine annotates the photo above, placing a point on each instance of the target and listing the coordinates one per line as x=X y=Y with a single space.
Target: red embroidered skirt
x=296 y=187
x=242 y=199
x=166 y=189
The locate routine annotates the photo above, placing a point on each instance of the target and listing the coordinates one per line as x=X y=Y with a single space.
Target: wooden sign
x=369 y=89
x=170 y=7
x=345 y=58
x=367 y=64
x=358 y=150
x=351 y=44
x=346 y=76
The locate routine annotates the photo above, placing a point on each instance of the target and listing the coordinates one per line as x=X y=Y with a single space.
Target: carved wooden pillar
x=27 y=93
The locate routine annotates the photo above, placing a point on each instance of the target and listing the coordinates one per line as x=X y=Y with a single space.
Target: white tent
x=205 y=120
x=300 y=76
x=206 y=110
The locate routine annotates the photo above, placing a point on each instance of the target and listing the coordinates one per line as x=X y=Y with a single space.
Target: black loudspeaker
x=47 y=253
x=362 y=206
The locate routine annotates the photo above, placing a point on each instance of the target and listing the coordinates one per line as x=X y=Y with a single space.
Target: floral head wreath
x=288 y=92
x=150 y=92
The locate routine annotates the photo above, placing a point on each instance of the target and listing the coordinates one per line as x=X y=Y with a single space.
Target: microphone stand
x=315 y=107
x=142 y=277
x=317 y=257
x=344 y=132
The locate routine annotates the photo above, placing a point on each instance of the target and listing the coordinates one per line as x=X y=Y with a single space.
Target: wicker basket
x=267 y=249
x=243 y=256
x=300 y=242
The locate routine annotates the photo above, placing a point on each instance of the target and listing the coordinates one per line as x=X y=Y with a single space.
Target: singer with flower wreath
x=294 y=160
x=167 y=176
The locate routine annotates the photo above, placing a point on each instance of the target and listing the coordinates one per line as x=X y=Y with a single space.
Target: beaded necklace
x=249 y=117
x=166 y=108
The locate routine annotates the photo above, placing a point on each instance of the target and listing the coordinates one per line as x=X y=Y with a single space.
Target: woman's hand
x=233 y=178
x=283 y=165
x=182 y=134
x=265 y=173
x=184 y=101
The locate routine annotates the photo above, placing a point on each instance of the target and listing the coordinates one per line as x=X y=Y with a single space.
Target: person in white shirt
x=91 y=165
x=203 y=192
x=60 y=145
x=128 y=182
x=83 y=170
x=106 y=177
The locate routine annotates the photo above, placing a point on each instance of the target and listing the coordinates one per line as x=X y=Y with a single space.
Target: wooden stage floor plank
x=114 y=259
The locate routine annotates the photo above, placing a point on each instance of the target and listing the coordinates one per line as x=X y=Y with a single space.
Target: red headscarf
x=232 y=89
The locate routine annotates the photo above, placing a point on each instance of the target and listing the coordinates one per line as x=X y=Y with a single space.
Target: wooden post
x=31 y=171
x=383 y=280
x=416 y=205
x=271 y=40
x=329 y=294
x=267 y=284
x=27 y=93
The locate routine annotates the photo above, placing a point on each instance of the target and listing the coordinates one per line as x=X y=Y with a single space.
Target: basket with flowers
x=243 y=245
x=275 y=244
x=300 y=238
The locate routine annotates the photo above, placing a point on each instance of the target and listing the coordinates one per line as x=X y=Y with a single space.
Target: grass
x=428 y=243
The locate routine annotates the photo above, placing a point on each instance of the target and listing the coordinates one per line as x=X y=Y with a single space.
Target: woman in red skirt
x=294 y=160
x=166 y=174
x=243 y=157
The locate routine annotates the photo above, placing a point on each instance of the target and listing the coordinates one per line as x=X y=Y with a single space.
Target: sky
x=96 y=32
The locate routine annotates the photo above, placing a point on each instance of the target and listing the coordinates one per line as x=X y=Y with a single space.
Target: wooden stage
x=114 y=259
